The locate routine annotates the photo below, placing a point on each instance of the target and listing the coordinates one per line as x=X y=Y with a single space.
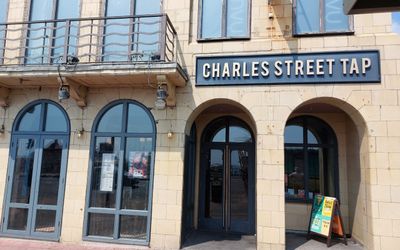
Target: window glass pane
x=111 y=121
x=311 y=138
x=133 y=227
x=148 y=43
x=239 y=134
x=116 y=37
x=329 y=163
x=30 y=120
x=101 y=224
x=136 y=177
x=147 y=7
x=104 y=172
x=18 y=218
x=294 y=134
x=3 y=19
x=3 y=11
x=138 y=120
x=55 y=119
x=50 y=172
x=322 y=132
x=214 y=185
x=211 y=19
x=307 y=16
x=239 y=164
x=315 y=171
x=22 y=177
x=294 y=172
x=45 y=221
x=66 y=9
x=335 y=19
x=237 y=18
x=39 y=32
x=219 y=136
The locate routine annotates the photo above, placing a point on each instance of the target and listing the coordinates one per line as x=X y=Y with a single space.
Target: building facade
x=183 y=115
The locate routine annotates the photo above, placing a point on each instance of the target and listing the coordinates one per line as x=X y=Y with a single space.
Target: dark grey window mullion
x=43 y=111
x=119 y=186
x=321 y=16
x=120 y=169
x=61 y=184
x=224 y=21
x=305 y=164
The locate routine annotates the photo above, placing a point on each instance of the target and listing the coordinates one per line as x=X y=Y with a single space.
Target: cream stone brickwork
x=367 y=127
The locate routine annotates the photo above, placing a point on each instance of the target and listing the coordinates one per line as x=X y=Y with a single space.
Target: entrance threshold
x=219 y=240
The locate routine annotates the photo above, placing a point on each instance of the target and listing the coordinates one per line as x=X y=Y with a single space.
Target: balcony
x=123 y=51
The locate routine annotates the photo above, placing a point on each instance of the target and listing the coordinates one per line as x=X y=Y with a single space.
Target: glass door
x=21 y=186
x=36 y=183
x=46 y=209
x=241 y=174
x=228 y=191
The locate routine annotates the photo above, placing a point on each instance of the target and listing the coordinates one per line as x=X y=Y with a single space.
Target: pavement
x=197 y=241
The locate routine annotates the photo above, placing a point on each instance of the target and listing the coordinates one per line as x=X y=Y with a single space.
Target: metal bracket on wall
x=4 y=94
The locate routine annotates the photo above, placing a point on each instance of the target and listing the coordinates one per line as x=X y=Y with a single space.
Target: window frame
x=4 y=36
x=123 y=135
x=304 y=121
x=321 y=31
x=223 y=37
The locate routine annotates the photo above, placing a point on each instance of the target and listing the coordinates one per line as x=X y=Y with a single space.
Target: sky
x=396 y=22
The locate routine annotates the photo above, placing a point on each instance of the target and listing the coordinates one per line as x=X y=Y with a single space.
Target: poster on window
x=107 y=173
x=138 y=164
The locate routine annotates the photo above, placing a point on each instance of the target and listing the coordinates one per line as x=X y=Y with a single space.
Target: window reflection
x=111 y=120
x=30 y=121
x=313 y=156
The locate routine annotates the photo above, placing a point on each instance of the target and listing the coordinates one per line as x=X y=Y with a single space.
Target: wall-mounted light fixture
x=170 y=134
x=161 y=97
x=80 y=132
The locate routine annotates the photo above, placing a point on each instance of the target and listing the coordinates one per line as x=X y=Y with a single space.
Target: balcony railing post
x=163 y=37
x=66 y=39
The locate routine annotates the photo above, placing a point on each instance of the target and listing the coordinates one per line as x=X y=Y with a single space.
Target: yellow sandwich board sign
x=325 y=218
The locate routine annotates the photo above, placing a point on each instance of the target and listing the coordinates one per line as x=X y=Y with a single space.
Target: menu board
x=321 y=214
x=107 y=172
x=325 y=218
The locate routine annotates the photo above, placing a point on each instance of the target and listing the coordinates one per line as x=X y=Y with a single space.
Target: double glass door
x=227 y=190
x=35 y=186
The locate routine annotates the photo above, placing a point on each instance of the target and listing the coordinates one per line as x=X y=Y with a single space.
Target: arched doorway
x=36 y=172
x=227 y=177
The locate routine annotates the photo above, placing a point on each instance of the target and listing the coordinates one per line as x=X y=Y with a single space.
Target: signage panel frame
x=372 y=74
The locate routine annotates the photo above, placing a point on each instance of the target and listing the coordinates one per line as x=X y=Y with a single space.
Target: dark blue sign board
x=303 y=68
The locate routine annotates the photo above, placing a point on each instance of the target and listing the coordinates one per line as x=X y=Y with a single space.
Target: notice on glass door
x=107 y=173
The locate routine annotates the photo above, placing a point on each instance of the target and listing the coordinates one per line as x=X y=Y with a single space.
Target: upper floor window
x=320 y=16
x=224 y=19
x=45 y=43
x=3 y=19
x=123 y=41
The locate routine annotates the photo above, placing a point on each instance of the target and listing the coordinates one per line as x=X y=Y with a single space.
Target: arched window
x=310 y=159
x=118 y=205
x=36 y=171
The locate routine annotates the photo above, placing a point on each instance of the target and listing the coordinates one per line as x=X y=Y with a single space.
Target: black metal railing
x=142 y=38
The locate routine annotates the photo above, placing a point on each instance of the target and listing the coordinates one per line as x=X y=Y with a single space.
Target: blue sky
x=396 y=22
